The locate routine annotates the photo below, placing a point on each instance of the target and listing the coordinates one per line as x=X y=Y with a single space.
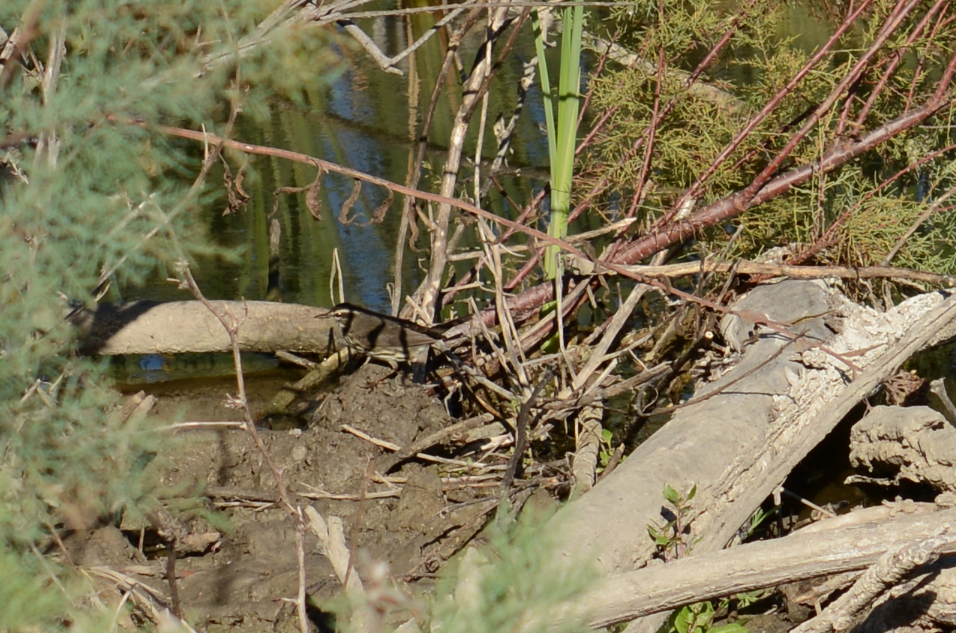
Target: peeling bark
x=832 y=546
x=739 y=445
x=913 y=443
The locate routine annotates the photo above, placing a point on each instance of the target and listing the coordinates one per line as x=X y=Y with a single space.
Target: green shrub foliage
x=85 y=189
x=853 y=213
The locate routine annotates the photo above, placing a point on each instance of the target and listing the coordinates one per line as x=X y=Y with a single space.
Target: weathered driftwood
x=739 y=445
x=886 y=574
x=925 y=602
x=698 y=444
x=149 y=327
x=913 y=444
x=831 y=546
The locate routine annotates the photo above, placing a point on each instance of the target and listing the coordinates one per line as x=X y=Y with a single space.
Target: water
x=367 y=120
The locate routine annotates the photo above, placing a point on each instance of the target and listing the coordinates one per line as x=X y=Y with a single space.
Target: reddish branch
x=843 y=151
x=649 y=146
x=695 y=190
x=895 y=20
x=831 y=235
x=894 y=62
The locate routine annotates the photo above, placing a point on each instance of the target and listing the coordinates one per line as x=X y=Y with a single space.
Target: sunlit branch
x=695 y=190
x=731 y=206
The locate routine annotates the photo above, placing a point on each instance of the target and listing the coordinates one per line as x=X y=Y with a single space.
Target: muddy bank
x=237 y=561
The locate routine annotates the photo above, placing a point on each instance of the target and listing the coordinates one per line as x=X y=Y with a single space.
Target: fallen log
x=699 y=442
x=847 y=543
x=914 y=444
x=150 y=327
x=771 y=410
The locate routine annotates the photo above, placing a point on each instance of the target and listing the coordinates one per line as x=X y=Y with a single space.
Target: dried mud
x=236 y=564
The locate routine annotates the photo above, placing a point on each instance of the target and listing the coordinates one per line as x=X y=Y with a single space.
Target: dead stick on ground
x=231 y=325
x=892 y=568
x=745 y=267
x=435 y=438
x=805 y=554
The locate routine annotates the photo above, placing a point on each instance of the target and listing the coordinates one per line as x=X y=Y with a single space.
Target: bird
x=380 y=336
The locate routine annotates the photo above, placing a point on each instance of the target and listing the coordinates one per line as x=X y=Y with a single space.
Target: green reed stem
x=562 y=136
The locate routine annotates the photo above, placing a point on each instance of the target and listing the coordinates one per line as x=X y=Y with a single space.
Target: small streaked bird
x=380 y=336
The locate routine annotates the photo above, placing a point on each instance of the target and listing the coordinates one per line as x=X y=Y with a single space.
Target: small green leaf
x=607 y=436
x=705 y=615
x=551 y=345
x=682 y=619
x=758 y=517
x=747 y=598
x=692 y=493
x=671 y=495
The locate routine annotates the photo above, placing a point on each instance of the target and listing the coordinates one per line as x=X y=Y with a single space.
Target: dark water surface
x=367 y=120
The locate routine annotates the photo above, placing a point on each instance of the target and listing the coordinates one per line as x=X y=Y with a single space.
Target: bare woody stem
x=471 y=94
x=839 y=154
x=231 y=325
